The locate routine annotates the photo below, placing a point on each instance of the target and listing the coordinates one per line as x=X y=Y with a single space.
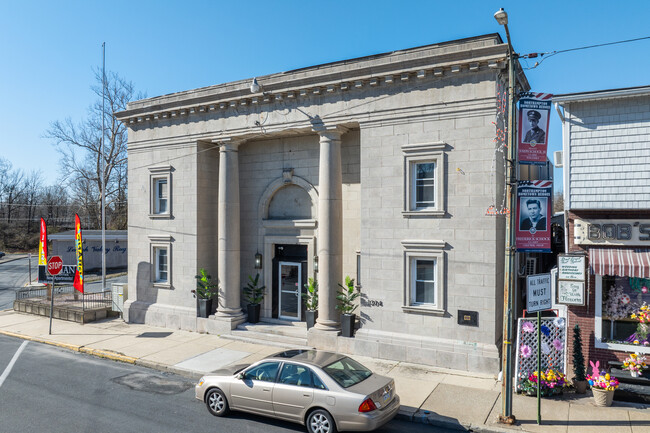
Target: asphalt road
x=54 y=390
x=13 y=275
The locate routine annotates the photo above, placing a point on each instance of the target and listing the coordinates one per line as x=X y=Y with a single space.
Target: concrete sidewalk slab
x=593 y=419
x=554 y=414
x=452 y=401
x=639 y=420
x=212 y=360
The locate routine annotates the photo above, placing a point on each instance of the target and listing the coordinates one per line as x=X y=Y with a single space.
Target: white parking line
x=12 y=362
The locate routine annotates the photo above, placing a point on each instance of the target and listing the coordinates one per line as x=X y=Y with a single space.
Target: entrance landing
x=279 y=333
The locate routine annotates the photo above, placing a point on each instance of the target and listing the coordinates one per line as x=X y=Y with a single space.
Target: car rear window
x=347 y=372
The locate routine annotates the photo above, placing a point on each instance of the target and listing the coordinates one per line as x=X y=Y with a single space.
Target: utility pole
x=506 y=416
x=103 y=171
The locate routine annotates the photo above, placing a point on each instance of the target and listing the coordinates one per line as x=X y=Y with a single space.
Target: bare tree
x=558 y=202
x=12 y=190
x=80 y=145
x=32 y=186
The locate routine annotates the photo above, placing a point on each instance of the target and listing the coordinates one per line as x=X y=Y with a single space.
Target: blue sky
x=48 y=49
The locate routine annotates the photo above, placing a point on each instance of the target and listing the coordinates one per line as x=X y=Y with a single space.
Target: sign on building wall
x=534 y=114
x=571 y=267
x=634 y=232
x=533 y=233
x=571 y=292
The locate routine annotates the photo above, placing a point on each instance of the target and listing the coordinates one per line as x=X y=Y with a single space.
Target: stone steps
x=272 y=333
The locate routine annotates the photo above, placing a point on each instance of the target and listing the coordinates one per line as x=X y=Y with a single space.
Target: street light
x=506 y=416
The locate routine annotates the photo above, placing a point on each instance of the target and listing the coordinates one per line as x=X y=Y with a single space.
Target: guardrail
x=67 y=295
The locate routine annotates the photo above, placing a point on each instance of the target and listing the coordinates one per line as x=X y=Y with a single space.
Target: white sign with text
x=538 y=291
x=571 y=267
x=571 y=292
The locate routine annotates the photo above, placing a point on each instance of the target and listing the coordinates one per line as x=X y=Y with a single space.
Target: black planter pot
x=311 y=317
x=347 y=325
x=253 y=313
x=203 y=307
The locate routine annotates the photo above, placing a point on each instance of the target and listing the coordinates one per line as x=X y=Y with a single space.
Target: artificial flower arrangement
x=603 y=380
x=553 y=382
x=635 y=364
x=642 y=315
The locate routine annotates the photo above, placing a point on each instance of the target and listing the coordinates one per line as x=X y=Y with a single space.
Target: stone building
x=380 y=168
x=606 y=163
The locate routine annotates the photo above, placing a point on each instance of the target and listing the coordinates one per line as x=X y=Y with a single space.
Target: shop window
x=618 y=298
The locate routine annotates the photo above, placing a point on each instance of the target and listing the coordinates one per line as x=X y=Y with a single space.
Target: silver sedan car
x=324 y=391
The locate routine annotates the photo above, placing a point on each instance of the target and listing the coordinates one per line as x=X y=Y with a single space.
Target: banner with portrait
x=534 y=211
x=534 y=114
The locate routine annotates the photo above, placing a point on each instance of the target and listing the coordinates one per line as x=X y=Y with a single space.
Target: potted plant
x=346 y=297
x=603 y=386
x=204 y=293
x=254 y=295
x=311 y=301
x=579 y=380
x=635 y=364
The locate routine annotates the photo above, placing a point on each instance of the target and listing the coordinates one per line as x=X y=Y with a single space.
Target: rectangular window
x=423 y=290
x=424 y=179
x=425 y=187
x=424 y=276
x=161 y=265
x=161 y=196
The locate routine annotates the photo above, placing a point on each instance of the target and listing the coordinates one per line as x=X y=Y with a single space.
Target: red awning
x=623 y=262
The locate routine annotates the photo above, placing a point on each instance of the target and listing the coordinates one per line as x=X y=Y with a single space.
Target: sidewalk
x=445 y=398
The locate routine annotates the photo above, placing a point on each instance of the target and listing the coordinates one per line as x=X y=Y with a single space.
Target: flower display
x=603 y=380
x=635 y=363
x=526 y=351
x=528 y=327
x=616 y=307
x=552 y=382
x=642 y=315
x=558 y=345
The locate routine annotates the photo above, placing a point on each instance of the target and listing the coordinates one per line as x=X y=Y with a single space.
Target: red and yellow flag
x=79 y=273
x=42 y=245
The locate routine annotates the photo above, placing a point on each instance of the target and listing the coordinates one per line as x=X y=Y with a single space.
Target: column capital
x=228 y=144
x=331 y=132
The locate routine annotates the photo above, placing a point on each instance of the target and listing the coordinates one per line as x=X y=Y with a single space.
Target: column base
x=323 y=339
x=327 y=325
x=229 y=319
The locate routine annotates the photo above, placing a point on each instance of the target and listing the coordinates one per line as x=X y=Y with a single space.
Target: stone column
x=330 y=227
x=229 y=251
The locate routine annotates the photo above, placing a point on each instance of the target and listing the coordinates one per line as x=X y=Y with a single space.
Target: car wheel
x=320 y=421
x=216 y=402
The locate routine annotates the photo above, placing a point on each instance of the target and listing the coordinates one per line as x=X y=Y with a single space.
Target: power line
x=553 y=53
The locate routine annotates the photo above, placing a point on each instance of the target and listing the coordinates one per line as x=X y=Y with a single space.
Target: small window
x=160 y=192
x=161 y=265
x=424 y=180
x=160 y=205
x=424 y=276
x=423 y=290
x=424 y=195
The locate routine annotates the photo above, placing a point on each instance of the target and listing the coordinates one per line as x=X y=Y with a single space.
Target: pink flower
x=644 y=289
x=558 y=345
x=527 y=327
x=526 y=351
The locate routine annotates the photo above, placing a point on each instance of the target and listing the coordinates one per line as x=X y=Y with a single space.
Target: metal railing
x=67 y=296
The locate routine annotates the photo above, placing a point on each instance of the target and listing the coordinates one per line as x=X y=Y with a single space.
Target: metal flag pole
x=103 y=170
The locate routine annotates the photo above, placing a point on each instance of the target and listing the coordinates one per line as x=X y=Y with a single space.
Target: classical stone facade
x=380 y=168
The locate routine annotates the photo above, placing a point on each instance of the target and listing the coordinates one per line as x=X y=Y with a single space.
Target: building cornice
x=390 y=69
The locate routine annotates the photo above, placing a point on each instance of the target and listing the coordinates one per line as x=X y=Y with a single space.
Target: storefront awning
x=623 y=262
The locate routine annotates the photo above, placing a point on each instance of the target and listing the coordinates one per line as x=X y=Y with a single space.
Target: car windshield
x=347 y=372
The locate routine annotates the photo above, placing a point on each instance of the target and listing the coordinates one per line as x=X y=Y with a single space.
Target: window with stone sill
x=424 y=179
x=424 y=282
x=160 y=191
x=161 y=260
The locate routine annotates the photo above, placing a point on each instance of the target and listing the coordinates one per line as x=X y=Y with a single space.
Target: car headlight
x=201 y=381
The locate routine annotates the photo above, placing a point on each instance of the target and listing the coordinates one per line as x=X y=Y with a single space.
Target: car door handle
x=306 y=395
x=266 y=389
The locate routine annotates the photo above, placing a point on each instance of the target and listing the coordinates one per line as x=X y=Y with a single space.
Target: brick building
x=380 y=168
x=606 y=159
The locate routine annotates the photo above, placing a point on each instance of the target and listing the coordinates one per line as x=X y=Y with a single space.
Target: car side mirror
x=240 y=376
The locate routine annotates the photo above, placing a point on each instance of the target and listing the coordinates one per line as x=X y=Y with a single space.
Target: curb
x=13 y=259
x=107 y=354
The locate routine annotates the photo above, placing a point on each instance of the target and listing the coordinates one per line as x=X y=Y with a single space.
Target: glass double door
x=289 y=281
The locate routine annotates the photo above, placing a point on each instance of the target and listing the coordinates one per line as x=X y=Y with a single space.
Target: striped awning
x=623 y=262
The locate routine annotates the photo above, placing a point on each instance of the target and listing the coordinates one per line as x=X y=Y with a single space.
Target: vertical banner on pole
x=534 y=114
x=42 y=254
x=534 y=210
x=79 y=273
